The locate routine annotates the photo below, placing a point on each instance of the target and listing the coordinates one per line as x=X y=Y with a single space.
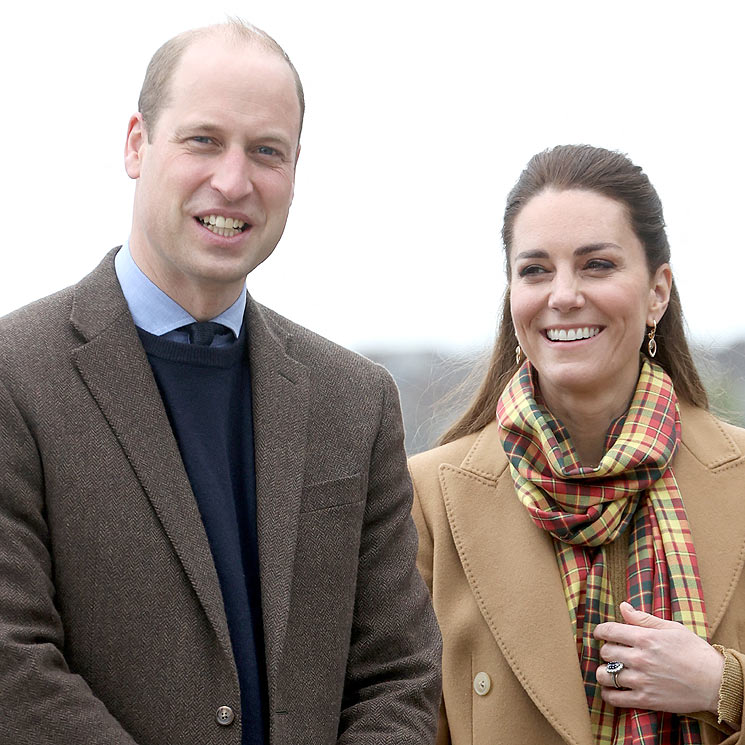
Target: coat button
x=482 y=684
x=225 y=716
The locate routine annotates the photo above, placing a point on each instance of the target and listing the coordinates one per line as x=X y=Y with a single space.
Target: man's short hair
x=155 y=92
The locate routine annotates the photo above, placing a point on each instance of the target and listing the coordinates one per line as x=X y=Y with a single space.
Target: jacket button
x=225 y=716
x=482 y=684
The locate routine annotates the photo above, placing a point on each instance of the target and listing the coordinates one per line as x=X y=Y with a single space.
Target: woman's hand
x=666 y=666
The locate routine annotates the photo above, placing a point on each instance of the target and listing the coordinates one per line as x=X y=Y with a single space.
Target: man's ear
x=134 y=148
x=297 y=155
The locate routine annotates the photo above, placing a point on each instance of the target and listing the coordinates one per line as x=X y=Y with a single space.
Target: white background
x=420 y=116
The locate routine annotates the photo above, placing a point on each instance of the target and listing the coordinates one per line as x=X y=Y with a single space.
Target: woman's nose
x=566 y=293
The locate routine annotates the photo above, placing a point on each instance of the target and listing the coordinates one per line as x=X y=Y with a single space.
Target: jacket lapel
x=710 y=470
x=116 y=371
x=280 y=387
x=524 y=608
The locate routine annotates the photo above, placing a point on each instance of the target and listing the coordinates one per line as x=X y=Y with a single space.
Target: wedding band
x=613 y=669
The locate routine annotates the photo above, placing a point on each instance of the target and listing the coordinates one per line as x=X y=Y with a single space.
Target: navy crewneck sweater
x=207 y=395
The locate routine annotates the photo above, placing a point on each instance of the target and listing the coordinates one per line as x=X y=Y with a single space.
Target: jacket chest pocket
x=324 y=495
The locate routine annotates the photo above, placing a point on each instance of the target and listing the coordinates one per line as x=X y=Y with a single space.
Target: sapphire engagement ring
x=613 y=669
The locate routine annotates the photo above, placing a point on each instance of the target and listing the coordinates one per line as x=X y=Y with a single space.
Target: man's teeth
x=572 y=334
x=224 y=226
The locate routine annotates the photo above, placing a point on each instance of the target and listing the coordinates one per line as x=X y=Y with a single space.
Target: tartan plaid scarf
x=584 y=508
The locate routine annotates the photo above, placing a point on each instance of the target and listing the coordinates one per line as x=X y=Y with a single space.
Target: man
x=204 y=508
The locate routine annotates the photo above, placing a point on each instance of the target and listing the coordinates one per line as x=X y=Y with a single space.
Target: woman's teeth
x=572 y=334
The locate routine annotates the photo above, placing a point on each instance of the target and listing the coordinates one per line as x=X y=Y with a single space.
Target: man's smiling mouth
x=582 y=332
x=224 y=226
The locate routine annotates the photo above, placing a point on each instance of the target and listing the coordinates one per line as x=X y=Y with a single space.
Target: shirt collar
x=153 y=311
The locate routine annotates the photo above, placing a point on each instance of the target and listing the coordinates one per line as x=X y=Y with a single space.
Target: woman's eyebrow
x=592 y=247
x=534 y=254
x=539 y=253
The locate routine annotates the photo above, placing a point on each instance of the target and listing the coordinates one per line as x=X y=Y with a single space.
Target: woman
x=586 y=473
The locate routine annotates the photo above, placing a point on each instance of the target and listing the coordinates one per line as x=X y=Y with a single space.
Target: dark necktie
x=203 y=332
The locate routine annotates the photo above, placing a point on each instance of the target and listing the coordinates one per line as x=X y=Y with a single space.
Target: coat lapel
x=710 y=470
x=116 y=371
x=524 y=608
x=280 y=387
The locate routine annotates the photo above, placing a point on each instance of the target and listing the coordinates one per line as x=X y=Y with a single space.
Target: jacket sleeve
x=723 y=732
x=43 y=702
x=424 y=561
x=393 y=678
x=738 y=737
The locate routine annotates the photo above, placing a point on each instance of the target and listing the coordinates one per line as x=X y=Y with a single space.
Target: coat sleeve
x=424 y=561
x=724 y=732
x=43 y=702
x=393 y=678
x=738 y=737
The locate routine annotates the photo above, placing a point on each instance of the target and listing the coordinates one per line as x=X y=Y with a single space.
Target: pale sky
x=420 y=117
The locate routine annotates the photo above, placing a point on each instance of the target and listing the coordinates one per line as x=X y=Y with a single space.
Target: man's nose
x=232 y=175
x=566 y=292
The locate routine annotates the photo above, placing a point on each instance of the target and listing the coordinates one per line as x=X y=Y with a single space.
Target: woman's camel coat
x=510 y=667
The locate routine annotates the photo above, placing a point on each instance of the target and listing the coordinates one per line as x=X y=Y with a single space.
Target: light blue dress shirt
x=153 y=311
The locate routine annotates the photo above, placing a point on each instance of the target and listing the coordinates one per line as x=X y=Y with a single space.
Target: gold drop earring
x=652 y=344
x=518 y=354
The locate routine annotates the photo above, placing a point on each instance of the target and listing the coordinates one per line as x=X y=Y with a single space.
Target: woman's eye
x=599 y=264
x=531 y=269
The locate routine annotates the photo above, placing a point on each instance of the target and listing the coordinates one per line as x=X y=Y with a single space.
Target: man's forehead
x=239 y=69
x=214 y=52
x=217 y=87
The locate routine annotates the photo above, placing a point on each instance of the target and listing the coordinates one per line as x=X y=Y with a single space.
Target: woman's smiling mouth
x=574 y=334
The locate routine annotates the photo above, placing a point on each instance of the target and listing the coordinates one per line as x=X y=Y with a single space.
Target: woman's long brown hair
x=613 y=175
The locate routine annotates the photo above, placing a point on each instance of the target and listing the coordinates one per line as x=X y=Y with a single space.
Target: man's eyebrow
x=211 y=128
x=196 y=127
x=539 y=253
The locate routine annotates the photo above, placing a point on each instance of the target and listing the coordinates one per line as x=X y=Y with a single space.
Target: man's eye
x=202 y=139
x=266 y=150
